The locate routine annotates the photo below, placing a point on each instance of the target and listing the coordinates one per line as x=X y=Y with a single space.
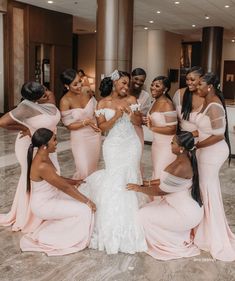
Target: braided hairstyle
x=187 y=98
x=186 y=140
x=39 y=138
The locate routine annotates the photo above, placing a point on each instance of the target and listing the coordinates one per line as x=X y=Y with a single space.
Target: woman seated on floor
x=67 y=214
x=169 y=219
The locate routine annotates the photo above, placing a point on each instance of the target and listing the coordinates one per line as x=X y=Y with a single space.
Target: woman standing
x=116 y=224
x=213 y=233
x=162 y=121
x=35 y=111
x=77 y=109
x=66 y=213
x=187 y=101
x=168 y=221
x=138 y=77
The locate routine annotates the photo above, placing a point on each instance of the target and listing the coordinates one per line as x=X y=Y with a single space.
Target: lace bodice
x=123 y=126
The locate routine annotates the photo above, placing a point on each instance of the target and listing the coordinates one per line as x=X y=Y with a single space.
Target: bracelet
x=149 y=183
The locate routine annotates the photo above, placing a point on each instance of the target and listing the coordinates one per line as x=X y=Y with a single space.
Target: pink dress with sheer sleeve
x=33 y=116
x=213 y=233
x=85 y=142
x=168 y=222
x=67 y=223
x=162 y=155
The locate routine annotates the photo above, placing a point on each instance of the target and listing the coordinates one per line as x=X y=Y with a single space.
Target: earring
x=181 y=151
x=209 y=89
x=44 y=147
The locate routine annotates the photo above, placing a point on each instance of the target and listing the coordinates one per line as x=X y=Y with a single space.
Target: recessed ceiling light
x=146 y=28
x=193 y=25
x=177 y=2
x=50 y=2
x=158 y=12
x=151 y=21
x=233 y=40
x=207 y=17
x=226 y=6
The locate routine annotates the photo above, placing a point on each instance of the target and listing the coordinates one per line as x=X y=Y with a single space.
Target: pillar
x=212 y=43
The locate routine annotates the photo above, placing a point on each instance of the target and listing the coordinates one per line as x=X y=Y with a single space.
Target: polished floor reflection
x=90 y=265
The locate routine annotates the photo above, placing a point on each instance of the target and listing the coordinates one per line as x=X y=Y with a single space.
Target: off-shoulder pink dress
x=85 y=142
x=67 y=223
x=168 y=221
x=213 y=233
x=33 y=116
x=162 y=155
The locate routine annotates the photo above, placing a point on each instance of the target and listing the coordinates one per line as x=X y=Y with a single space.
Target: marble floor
x=90 y=265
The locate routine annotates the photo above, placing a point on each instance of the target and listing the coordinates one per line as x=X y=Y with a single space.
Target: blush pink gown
x=162 y=155
x=47 y=116
x=168 y=221
x=85 y=142
x=67 y=223
x=213 y=233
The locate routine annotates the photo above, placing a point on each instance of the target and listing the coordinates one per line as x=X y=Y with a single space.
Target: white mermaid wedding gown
x=116 y=222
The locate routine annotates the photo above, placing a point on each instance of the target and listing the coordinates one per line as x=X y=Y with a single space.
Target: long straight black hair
x=186 y=140
x=39 y=138
x=187 y=98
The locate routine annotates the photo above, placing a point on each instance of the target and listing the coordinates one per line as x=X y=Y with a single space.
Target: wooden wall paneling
x=63 y=60
x=3 y=6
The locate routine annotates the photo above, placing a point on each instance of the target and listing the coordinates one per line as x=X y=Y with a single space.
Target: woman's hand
x=79 y=182
x=92 y=124
x=91 y=205
x=24 y=133
x=149 y=123
x=133 y=187
x=144 y=120
x=119 y=112
x=195 y=133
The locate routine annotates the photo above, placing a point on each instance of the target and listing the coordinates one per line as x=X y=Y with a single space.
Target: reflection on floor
x=90 y=265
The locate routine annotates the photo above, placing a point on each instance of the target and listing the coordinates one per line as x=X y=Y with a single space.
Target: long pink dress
x=33 y=116
x=67 y=223
x=85 y=142
x=213 y=233
x=145 y=102
x=168 y=222
x=162 y=155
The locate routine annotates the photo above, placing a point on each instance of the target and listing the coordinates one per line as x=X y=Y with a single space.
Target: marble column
x=114 y=37
x=156 y=52
x=212 y=43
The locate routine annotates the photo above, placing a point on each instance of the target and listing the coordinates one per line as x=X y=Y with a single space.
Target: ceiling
x=174 y=18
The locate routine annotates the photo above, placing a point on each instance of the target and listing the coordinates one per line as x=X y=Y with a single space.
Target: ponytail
x=29 y=161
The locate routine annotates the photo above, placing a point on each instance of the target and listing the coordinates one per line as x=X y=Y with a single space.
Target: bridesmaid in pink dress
x=67 y=214
x=187 y=101
x=138 y=77
x=162 y=121
x=213 y=233
x=168 y=222
x=35 y=111
x=77 y=109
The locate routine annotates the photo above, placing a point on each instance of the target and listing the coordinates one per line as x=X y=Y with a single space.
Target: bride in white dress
x=116 y=223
